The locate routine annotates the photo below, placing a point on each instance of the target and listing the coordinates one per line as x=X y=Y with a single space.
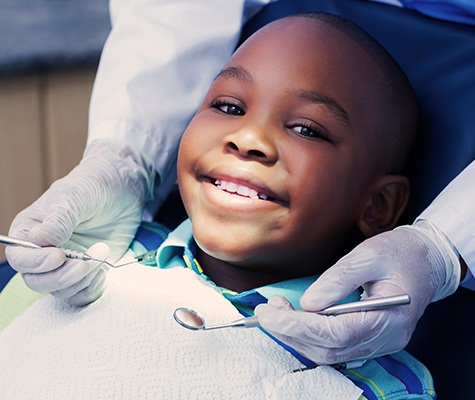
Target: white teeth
x=245 y=191
x=229 y=186
x=242 y=190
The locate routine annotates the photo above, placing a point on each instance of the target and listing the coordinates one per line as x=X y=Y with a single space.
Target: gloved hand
x=417 y=260
x=100 y=200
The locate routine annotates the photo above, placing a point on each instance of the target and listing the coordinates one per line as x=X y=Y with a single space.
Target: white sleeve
x=156 y=67
x=453 y=212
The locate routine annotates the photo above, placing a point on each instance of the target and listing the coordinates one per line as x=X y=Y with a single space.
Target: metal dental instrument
x=147 y=258
x=72 y=254
x=190 y=319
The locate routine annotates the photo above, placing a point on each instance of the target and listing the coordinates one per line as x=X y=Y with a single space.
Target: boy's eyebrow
x=319 y=98
x=309 y=96
x=236 y=73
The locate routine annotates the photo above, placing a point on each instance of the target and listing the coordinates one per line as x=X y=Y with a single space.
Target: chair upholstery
x=6 y=273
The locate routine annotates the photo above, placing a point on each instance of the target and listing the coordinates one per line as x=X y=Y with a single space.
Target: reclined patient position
x=296 y=154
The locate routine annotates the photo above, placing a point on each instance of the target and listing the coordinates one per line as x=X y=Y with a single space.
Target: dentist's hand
x=417 y=260
x=101 y=200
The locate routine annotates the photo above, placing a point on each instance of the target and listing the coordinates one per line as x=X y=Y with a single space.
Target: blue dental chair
x=6 y=273
x=439 y=59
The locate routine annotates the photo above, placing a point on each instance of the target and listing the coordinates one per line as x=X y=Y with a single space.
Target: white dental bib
x=127 y=345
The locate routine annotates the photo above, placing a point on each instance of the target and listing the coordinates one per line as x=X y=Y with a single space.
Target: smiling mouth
x=240 y=190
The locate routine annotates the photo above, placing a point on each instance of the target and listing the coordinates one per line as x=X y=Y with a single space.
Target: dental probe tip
x=124 y=264
x=87 y=257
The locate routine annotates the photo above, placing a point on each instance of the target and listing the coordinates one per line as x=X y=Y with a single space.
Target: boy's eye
x=311 y=132
x=227 y=108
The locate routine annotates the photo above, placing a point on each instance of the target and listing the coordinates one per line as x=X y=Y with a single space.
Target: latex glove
x=101 y=200
x=416 y=259
x=90 y=287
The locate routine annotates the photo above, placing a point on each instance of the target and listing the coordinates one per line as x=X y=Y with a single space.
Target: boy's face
x=276 y=165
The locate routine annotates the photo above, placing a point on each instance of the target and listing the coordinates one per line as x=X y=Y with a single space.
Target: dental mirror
x=190 y=319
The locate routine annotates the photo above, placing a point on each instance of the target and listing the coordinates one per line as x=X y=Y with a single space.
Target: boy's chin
x=228 y=241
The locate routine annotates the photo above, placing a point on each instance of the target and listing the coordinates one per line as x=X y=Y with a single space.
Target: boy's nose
x=252 y=144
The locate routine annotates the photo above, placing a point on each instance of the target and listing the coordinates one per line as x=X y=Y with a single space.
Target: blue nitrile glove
x=417 y=260
x=100 y=200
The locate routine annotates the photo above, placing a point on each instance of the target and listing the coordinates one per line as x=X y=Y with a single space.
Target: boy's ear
x=385 y=205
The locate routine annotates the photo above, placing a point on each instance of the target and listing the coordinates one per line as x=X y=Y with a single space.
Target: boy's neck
x=233 y=277
x=242 y=278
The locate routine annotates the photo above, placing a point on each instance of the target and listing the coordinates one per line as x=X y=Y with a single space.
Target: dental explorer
x=72 y=254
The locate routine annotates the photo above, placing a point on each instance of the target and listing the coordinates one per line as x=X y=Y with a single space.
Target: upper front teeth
x=232 y=187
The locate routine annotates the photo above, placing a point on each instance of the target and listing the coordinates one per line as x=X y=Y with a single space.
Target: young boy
x=296 y=152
